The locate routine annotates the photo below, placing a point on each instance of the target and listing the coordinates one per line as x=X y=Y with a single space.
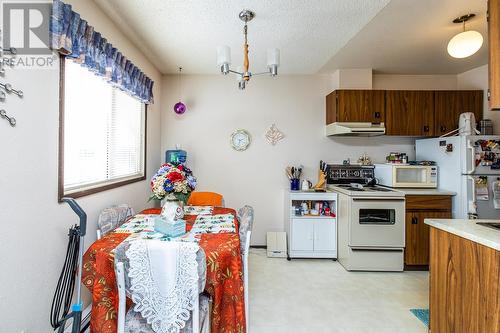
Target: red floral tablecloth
x=224 y=278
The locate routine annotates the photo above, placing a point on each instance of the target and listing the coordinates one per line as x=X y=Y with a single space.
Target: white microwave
x=403 y=175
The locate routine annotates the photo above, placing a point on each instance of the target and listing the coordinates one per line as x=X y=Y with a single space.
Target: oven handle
x=377 y=223
x=378 y=199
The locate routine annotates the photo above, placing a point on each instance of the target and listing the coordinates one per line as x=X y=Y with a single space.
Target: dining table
x=224 y=275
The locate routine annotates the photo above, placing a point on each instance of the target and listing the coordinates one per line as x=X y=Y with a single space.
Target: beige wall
x=296 y=104
x=416 y=82
x=34 y=226
x=477 y=78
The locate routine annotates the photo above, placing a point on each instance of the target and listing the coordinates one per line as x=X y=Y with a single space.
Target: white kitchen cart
x=310 y=236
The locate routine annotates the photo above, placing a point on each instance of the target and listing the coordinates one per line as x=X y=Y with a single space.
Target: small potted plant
x=172 y=184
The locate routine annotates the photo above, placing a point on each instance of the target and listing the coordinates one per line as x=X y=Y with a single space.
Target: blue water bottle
x=175 y=156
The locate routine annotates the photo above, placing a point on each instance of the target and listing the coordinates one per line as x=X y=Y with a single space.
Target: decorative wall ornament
x=274 y=135
x=180 y=107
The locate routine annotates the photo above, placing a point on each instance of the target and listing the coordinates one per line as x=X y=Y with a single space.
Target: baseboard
x=258 y=246
x=416 y=267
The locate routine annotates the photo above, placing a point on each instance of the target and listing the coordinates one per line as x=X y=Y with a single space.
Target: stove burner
x=381 y=189
x=364 y=188
x=356 y=189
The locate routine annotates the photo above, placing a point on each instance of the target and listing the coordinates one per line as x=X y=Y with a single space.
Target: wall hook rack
x=7 y=87
x=11 y=120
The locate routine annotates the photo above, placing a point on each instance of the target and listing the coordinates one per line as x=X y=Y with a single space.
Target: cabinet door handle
x=376 y=114
x=426 y=128
x=414 y=220
x=442 y=128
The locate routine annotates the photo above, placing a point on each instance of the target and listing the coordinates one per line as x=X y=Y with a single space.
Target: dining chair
x=112 y=217
x=206 y=199
x=133 y=322
x=245 y=217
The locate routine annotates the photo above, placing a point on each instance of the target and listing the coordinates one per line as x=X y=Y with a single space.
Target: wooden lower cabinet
x=418 y=208
x=417 y=236
x=464 y=292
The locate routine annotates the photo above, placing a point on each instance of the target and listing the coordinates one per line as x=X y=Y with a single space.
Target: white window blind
x=104 y=131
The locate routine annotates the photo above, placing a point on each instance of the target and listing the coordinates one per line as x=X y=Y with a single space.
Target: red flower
x=180 y=167
x=174 y=177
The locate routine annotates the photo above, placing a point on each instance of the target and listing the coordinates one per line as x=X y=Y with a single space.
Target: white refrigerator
x=469 y=169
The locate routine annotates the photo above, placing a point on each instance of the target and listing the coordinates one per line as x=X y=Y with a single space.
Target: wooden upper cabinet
x=494 y=52
x=409 y=113
x=448 y=105
x=355 y=106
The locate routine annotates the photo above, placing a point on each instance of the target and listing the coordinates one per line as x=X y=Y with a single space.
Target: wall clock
x=240 y=140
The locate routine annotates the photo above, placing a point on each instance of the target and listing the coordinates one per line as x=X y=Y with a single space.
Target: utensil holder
x=321 y=181
x=294 y=184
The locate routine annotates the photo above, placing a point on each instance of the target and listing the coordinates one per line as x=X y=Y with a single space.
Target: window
x=102 y=134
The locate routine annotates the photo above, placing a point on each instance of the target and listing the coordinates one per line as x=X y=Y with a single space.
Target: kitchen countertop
x=468 y=229
x=424 y=191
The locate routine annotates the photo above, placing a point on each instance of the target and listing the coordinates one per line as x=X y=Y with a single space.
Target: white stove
x=356 y=190
x=371 y=220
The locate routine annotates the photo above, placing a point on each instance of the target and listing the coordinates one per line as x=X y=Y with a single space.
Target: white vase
x=172 y=210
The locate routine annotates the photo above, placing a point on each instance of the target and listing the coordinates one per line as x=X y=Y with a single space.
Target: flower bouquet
x=173 y=182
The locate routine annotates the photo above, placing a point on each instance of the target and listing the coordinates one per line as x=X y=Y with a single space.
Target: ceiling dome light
x=465 y=43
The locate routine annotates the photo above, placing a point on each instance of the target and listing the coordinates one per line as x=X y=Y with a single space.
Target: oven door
x=377 y=223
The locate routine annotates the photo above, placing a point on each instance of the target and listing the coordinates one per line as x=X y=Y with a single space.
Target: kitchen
x=406 y=214
x=378 y=218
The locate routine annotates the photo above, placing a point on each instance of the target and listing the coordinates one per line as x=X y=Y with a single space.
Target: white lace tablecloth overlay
x=164 y=282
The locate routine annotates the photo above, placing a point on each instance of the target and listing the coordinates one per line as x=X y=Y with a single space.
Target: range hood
x=355 y=129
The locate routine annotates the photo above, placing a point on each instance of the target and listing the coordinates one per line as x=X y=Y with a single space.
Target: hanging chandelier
x=243 y=76
x=466 y=43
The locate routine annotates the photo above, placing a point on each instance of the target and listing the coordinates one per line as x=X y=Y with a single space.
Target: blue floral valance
x=75 y=38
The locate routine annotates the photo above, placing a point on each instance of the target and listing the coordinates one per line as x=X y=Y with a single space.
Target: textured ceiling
x=186 y=33
x=410 y=37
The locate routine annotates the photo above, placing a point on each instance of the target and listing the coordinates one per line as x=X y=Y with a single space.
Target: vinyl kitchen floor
x=319 y=295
